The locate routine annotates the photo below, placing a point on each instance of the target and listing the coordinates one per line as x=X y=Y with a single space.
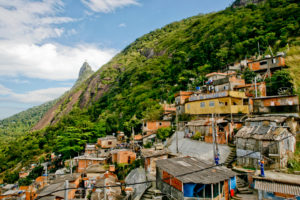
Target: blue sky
x=44 y=43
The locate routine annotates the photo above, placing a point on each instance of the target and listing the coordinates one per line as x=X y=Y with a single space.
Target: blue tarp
x=233 y=183
x=190 y=190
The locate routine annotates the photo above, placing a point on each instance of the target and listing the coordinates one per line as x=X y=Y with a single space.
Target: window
x=211 y=104
x=109 y=142
x=188 y=106
x=202 y=104
x=263 y=62
x=160 y=123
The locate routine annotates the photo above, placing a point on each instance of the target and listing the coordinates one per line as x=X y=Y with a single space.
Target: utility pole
x=255 y=87
x=213 y=135
x=66 y=189
x=46 y=172
x=71 y=167
x=177 y=151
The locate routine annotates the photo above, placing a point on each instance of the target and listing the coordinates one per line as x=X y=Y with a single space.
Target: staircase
x=242 y=186
x=231 y=157
x=151 y=194
x=236 y=197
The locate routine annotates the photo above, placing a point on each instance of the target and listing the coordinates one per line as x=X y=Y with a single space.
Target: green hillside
x=154 y=67
x=22 y=122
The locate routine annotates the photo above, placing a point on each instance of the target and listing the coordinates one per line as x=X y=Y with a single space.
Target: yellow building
x=226 y=102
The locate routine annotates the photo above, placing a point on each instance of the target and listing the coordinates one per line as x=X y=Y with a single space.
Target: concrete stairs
x=231 y=157
x=242 y=187
x=236 y=197
x=152 y=194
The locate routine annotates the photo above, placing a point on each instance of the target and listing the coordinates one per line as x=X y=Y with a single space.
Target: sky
x=43 y=43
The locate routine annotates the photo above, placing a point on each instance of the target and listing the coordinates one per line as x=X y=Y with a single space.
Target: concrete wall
x=224 y=105
x=166 y=188
x=278 y=153
x=84 y=163
x=150 y=163
x=107 y=143
x=153 y=126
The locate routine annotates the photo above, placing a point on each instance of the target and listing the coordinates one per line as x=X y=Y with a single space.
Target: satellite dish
x=284 y=91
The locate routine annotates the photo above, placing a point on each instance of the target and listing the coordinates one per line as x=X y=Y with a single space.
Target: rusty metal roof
x=277 y=119
x=277 y=187
x=146 y=153
x=182 y=169
x=205 y=122
x=262 y=132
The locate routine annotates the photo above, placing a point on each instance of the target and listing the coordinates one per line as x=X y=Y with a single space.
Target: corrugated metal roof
x=277 y=119
x=193 y=170
x=277 y=187
x=262 y=132
x=205 y=122
x=152 y=152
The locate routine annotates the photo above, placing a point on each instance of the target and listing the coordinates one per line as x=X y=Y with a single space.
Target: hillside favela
x=141 y=100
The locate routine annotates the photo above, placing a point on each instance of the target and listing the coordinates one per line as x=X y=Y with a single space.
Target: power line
x=145 y=182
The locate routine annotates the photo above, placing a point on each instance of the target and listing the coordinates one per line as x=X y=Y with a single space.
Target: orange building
x=23 y=174
x=40 y=182
x=169 y=111
x=107 y=142
x=204 y=127
x=249 y=89
x=222 y=82
x=83 y=162
x=123 y=156
x=180 y=99
x=91 y=149
x=150 y=127
x=275 y=104
x=29 y=191
x=151 y=156
x=264 y=64
x=265 y=67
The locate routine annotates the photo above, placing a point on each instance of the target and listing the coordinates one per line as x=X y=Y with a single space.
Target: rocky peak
x=241 y=3
x=84 y=72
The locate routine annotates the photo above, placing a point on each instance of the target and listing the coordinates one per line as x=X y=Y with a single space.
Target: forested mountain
x=151 y=70
x=23 y=121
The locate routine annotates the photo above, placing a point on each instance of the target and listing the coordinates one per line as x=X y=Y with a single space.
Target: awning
x=277 y=187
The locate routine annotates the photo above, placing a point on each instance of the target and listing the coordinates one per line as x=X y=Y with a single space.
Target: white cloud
x=26 y=50
x=31 y=97
x=31 y=21
x=4 y=90
x=107 y=6
x=122 y=25
x=49 y=61
x=39 y=96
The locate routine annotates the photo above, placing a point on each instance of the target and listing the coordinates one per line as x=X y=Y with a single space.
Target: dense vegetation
x=157 y=65
x=23 y=121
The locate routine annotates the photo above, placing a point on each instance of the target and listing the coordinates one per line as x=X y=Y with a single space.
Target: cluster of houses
x=225 y=113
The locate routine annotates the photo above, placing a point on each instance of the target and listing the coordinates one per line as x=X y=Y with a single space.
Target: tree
x=164 y=133
x=280 y=83
x=248 y=75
